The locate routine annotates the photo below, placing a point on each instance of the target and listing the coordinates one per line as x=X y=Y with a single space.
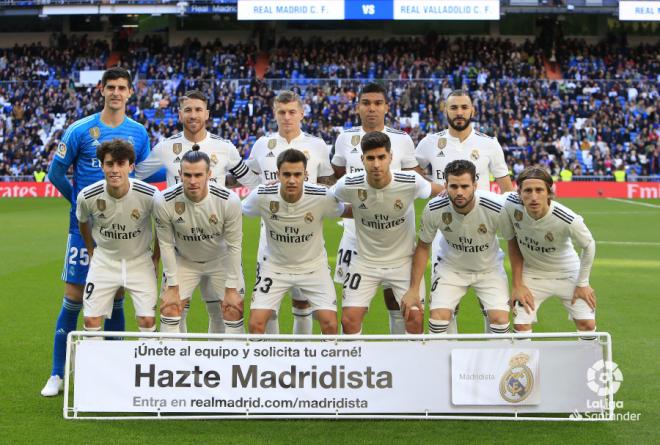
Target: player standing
x=543 y=260
x=347 y=158
x=294 y=254
x=382 y=202
x=469 y=253
x=225 y=160
x=288 y=109
x=461 y=141
x=77 y=149
x=195 y=221
x=114 y=217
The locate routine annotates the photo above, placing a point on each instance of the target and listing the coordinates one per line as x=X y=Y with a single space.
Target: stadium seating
x=604 y=107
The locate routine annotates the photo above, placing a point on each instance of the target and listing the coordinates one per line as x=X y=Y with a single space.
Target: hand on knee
x=232 y=314
x=170 y=311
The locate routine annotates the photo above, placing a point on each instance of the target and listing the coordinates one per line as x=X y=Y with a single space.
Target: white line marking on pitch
x=629 y=243
x=628 y=201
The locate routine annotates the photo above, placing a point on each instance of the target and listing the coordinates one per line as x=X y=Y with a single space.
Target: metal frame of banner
x=604 y=338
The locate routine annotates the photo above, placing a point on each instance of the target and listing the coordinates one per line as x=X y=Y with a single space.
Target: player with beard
x=469 y=220
x=461 y=141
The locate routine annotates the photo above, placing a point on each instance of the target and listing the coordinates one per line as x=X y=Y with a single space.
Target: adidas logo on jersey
x=274 y=217
x=441 y=154
x=270 y=155
x=362 y=206
x=102 y=215
x=180 y=220
x=355 y=150
x=177 y=160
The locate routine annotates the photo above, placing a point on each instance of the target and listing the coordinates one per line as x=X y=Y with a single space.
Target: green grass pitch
x=625 y=275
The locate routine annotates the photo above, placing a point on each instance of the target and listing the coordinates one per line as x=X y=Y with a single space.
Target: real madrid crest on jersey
x=272 y=143
x=213 y=219
x=306 y=154
x=177 y=147
x=309 y=217
x=100 y=204
x=549 y=237
x=442 y=143
x=474 y=155
x=274 y=206
x=518 y=215
x=95 y=132
x=398 y=205
x=214 y=159
x=482 y=229
x=179 y=207
x=362 y=194
x=517 y=382
x=135 y=214
x=446 y=219
x=355 y=139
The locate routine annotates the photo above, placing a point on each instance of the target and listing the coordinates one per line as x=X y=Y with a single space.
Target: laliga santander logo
x=598 y=378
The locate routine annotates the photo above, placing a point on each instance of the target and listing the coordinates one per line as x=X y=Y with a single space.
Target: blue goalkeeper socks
x=66 y=322
x=117 y=322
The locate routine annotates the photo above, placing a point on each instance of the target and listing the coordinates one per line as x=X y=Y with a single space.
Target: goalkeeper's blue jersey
x=79 y=144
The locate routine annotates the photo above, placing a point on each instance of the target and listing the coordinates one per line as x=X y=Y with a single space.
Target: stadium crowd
x=600 y=117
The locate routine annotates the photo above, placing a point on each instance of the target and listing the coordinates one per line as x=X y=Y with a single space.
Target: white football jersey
x=121 y=228
x=384 y=218
x=469 y=242
x=223 y=154
x=294 y=231
x=263 y=157
x=439 y=149
x=547 y=243
x=199 y=231
x=348 y=154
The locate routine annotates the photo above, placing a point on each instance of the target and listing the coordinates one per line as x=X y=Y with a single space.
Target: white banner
x=447 y=10
x=343 y=377
x=639 y=11
x=265 y=377
x=495 y=377
x=290 y=10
